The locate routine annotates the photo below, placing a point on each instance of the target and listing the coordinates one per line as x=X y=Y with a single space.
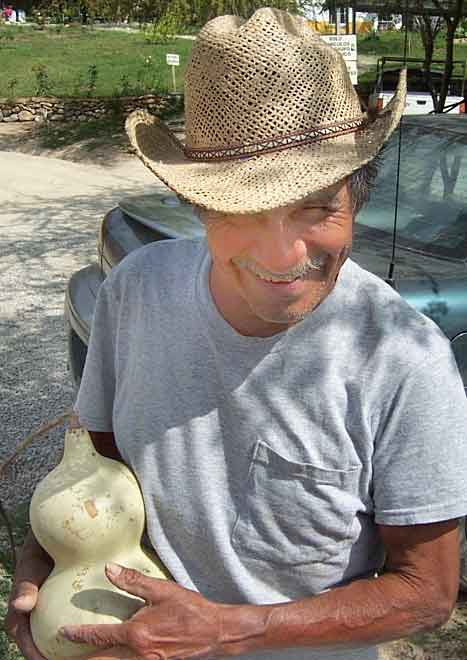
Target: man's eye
x=323 y=208
x=320 y=209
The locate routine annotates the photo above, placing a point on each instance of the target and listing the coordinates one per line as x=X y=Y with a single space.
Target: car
x=419 y=99
x=429 y=237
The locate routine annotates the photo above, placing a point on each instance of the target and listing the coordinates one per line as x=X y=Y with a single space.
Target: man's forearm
x=364 y=612
x=32 y=549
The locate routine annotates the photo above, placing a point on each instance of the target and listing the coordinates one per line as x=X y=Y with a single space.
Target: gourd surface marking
x=86 y=512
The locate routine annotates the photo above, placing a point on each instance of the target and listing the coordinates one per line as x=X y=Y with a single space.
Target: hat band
x=238 y=152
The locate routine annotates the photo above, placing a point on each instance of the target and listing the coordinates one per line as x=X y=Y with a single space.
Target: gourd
x=86 y=512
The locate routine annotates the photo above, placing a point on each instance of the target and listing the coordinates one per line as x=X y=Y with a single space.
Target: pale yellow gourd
x=86 y=512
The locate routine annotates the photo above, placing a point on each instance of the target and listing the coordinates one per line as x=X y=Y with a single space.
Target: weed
x=148 y=77
x=6 y=36
x=43 y=82
x=124 y=87
x=11 y=85
x=92 y=79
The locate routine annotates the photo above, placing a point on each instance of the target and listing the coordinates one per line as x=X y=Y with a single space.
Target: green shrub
x=92 y=79
x=11 y=84
x=43 y=82
x=165 y=29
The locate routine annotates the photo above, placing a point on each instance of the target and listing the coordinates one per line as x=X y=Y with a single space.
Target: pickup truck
x=419 y=100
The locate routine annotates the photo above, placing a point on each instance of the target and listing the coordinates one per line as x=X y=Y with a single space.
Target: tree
x=449 y=12
x=429 y=27
x=452 y=21
x=429 y=16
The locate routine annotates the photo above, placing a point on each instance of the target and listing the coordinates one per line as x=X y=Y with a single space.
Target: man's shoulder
x=161 y=261
x=388 y=318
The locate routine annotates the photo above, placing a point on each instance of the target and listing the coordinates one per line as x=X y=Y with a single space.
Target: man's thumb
x=134 y=582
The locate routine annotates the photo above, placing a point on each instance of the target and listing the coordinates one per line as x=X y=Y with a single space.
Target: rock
x=55 y=117
x=13 y=117
x=25 y=115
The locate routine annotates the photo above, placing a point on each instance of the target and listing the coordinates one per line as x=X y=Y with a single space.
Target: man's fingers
x=101 y=636
x=110 y=654
x=151 y=590
x=24 y=596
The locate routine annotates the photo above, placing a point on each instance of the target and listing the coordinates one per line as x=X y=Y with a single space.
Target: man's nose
x=279 y=243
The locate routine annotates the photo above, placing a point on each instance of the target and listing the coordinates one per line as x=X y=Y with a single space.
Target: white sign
x=346 y=44
x=172 y=59
x=352 y=69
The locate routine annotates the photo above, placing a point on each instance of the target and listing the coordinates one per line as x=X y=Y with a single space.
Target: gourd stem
x=77 y=446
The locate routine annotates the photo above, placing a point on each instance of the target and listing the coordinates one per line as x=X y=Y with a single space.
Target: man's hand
x=175 y=623
x=33 y=568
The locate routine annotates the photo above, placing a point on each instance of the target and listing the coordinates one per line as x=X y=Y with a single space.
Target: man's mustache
x=312 y=264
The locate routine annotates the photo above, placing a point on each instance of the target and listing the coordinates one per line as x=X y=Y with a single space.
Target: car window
x=432 y=213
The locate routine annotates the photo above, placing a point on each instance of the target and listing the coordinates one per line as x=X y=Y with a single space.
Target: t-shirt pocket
x=295 y=513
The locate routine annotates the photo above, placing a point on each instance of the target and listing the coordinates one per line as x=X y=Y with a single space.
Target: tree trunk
x=428 y=32
x=451 y=27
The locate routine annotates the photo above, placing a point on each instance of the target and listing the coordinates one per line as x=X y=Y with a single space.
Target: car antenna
x=390 y=278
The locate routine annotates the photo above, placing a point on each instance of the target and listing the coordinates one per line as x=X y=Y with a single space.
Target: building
x=350 y=17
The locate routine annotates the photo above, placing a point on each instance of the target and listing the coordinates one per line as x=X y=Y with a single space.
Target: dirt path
x=29 y=138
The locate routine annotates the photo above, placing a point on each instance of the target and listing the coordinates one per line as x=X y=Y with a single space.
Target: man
x=280 y=406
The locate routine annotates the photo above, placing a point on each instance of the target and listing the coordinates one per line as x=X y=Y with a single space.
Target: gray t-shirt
x=265 y=463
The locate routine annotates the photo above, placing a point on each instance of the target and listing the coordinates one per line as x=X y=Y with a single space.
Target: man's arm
x=33 y=567
x=104 y=443
x=418 y=592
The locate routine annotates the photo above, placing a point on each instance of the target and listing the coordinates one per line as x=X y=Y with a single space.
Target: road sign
x=346 y=44
x=172 y=59
x=352 y=69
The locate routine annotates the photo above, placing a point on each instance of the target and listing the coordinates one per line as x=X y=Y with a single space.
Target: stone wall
x=40 y=108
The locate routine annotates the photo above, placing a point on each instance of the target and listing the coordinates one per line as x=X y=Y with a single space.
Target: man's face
x=270 y=269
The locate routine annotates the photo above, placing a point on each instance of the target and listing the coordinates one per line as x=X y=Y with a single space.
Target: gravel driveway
x=50 y=213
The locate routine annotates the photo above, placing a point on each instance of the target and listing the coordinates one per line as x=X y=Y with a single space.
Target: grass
x=81 y=61
x=391 y=44
x=125 y=63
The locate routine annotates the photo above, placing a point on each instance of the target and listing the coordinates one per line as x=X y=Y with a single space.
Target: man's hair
x=361 y=182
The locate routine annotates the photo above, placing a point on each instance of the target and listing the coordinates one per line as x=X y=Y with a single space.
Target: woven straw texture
x=262 y=85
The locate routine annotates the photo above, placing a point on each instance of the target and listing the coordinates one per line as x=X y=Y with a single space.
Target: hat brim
x=265 y=181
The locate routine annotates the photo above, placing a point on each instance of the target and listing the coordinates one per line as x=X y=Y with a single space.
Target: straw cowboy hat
x=271 y=116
